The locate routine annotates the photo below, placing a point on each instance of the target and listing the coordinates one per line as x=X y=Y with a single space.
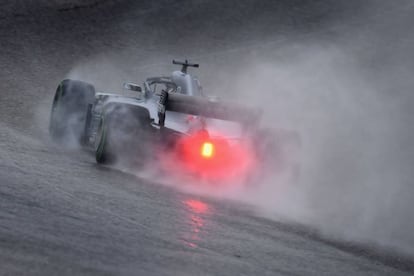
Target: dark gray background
x=339 y=72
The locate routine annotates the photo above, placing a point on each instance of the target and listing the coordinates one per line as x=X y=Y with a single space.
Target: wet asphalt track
x=61 y=214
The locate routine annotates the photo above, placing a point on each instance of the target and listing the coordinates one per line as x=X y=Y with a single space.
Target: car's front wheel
x=69 y=108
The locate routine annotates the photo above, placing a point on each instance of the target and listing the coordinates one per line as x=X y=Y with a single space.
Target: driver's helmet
x=169 y=88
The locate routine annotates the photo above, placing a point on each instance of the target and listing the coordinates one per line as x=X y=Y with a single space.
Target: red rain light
x=207 y=150
x=214 y=157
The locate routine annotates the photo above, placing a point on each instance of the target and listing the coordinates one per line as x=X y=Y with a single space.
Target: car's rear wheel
x=278 y=152
x=125 y=134
x=69 y=108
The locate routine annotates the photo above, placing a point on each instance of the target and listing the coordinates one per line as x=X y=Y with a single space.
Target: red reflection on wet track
x=197 y=209
x=196 y=206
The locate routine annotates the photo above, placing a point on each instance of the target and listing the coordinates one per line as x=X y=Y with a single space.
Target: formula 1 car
x=169 y=120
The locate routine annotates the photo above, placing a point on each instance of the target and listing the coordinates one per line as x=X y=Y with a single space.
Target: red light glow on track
x=196 y=206
x=196 y=214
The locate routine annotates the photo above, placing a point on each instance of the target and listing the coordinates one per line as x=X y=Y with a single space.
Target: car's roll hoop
x=185 y=65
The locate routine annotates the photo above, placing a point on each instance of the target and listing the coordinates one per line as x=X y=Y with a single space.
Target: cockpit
x=179 y=82
x=154 y=86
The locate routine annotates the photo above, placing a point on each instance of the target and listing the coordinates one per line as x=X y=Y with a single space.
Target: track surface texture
x=61 y=214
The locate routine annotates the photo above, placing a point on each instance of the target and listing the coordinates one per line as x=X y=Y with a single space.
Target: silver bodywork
x=171 y=116
x=149 y=97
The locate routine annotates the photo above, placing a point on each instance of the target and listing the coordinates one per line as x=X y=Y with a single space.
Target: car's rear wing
x=205 y=107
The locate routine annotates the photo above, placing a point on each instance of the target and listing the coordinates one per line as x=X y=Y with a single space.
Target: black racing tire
x=125 y=133
x=278 y=151
x=69 y=110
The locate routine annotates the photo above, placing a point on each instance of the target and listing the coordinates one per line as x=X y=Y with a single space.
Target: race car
x=170 y=122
